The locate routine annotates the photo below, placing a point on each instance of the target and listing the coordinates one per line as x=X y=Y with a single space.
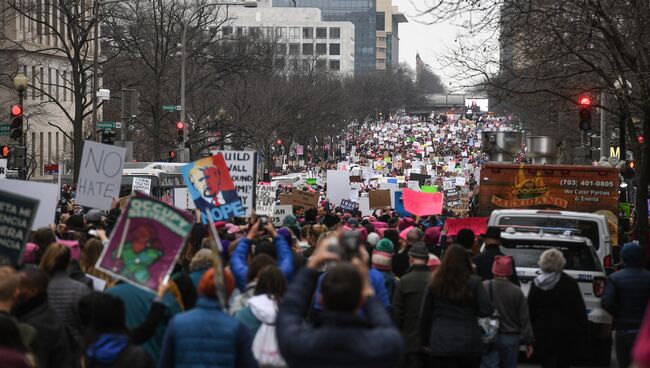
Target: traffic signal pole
x=22 y=171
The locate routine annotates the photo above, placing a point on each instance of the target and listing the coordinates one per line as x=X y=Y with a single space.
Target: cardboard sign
x=338 y=185
x=349 y=206
x=286 y=199
x=145 y=242
x=477 y=224
x=265 y=200
x=17 y=214
x=100 y=175
x=280 y=213
x=142 y=185
x=379 y=199
x=304 y=199
x=422 y=204
x=46 y=194
x=211 y=188
x=241 y=165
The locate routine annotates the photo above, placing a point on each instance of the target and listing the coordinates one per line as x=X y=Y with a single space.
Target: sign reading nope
x=100 y=175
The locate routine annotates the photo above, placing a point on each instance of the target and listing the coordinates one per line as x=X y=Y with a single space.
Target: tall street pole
x=95 y=71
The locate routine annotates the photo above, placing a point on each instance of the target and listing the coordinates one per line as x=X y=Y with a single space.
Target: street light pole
x=247 y=4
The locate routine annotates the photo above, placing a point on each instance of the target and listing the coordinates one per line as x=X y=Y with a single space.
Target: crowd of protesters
x=324 y=289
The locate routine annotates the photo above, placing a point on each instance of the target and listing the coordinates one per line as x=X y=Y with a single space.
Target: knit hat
x=432 y=235
x=631 y=253
x=94 y=215
x=403 y=234
x=352 y=222
x=502 y=266
x=433 y=261
x=289 y=220
x=381 y=260
x=419 y=250
x=385 y=245
x=406 y=223
x=373 y=238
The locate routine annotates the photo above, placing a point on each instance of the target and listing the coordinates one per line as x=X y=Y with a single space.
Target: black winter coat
x=407 y=301
x=485 y=260
x=452 y=330
x=341 y=339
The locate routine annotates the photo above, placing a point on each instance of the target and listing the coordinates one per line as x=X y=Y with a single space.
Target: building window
x=321 y=64
x=321 y=32
x=268 y=32
x=56 y=147
x=308 y=49
x=49 y=83
x=57 y=85
x=239 y=31
x=335 y=49
x=226 y=31
x=381 y=21
x=294 y=32
x=335 y=65
x=40 y=157
x=280 y=31
x=321 y=48
x=282 y=49
x=335 y=32
x=33 y=83
x=307 y=32
x=294 y=49
x=41 y=76
x=254 y=32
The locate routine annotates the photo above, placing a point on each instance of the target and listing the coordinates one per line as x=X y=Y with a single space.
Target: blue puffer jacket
x=239 y=264
x=206 y=337
x=626 y=296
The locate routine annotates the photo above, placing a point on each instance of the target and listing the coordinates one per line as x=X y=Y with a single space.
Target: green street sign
x=4 y=129
x=171 y=107
x=106 y=125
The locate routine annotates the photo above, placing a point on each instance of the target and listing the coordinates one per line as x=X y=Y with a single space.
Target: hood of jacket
x=264 y=308
x=547 y=281
x=107 y=348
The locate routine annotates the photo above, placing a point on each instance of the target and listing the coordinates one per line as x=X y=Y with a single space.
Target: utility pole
x=604 y=118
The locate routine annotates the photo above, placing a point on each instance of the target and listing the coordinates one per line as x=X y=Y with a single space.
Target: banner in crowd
x=349 y=205
x=265 y=200
x=304 y=199
x=422 y=204
x=142 y=185
x=379 y=199
x=241 y=165
x=145 y=242
x=100 y=175
x=17 y=214
x=338 y=185
x=213 y=191
x=280 y=213
x=46 y=194
x=477 y=224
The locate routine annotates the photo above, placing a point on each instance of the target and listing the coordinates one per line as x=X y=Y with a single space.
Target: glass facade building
x=362 y=13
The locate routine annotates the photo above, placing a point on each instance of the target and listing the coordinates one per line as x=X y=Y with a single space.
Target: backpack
x=490 y=325
x=265 y=347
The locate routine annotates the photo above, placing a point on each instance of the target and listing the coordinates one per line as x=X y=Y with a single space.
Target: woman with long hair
x=452 y=304
x=263 y=306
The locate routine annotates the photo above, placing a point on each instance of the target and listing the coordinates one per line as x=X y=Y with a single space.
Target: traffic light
x=171 y=156
x=16 y=125
x=4 y=153
x=180 y=131
x=279 y=142
x=640 y=139
x=585 y=113
x=108 y=136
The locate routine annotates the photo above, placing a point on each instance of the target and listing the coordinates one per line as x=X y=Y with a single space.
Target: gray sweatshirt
x=510 y=301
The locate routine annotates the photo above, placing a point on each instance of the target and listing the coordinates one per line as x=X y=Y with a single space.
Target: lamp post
x=20 y=85
x=247 y=4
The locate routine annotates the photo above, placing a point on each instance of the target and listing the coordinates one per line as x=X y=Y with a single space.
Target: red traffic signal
x=16 y=124
x=180 y=125
x=16 y=110
x=585 y=101
x=180 y=131
x=279 y=142
x=5 y=152
x=640 y=139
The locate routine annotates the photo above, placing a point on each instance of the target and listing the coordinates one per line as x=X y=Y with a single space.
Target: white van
x=590 y=225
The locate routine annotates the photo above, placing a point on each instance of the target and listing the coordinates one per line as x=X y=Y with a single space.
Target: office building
x=388 y=20
x=362 y=13
x=304 y=38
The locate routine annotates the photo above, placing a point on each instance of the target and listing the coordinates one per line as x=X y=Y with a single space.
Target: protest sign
x=286 y=199
x=145 y=242
x=338 y=185
x=413 y=185
x=304 y=199
x=241 y=165
x=182 y=199
x=429 y=189
x=452 y=198
x=265 y=200
x=460 y=181
x=356 y=179
x=142 y=185
x=422 y=204
x=312 y=181
x=100 y=175
x=477 y=224
x=348 y=205
x=420 y=178
x=17 y=214
x=364 y=206
x=280 y=213
x=399 y=205
x=46 y=194
x=354 y=192
x=379 y=199
x=448 y=184
x=211 y=188
x=3 y=168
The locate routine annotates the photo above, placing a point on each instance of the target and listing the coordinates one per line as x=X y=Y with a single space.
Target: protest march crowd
x=375 y=261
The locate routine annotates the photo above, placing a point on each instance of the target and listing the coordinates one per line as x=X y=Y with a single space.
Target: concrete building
x=306 y=41
x=388 y=20
x=32 y=48
x=362 y=13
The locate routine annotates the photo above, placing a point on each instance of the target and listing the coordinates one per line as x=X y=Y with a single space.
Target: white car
x=582 y=263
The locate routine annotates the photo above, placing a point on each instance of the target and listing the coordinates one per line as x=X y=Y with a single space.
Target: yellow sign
x=615 y=152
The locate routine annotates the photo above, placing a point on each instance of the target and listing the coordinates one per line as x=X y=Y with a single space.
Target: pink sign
x=422 y=204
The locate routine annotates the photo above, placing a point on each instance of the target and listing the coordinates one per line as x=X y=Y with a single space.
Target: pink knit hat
x=502 y=266
x=405 y=232
x=433 y=262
